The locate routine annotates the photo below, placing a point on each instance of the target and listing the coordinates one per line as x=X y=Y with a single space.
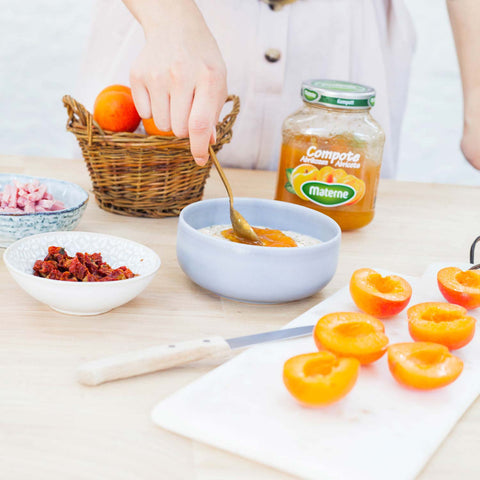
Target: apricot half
x=460 y=287
x=380 y=296
x=321 y=378
x=423 y=365
x=442 y=323
x=351 y=334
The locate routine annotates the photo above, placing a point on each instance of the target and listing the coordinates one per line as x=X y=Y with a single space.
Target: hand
x=179 y=78
x=464 y=17
x=470 y=144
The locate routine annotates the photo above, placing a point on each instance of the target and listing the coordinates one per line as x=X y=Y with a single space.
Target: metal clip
x=472 y=255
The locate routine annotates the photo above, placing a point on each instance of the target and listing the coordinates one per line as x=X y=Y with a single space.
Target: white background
x=41 y=50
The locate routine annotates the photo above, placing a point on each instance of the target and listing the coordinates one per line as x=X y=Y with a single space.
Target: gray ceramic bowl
x=257 y=274
x=14 y=226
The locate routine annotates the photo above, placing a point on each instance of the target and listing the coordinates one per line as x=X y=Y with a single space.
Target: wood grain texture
x=52 y=428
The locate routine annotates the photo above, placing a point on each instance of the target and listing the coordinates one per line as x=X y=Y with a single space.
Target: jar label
x=320 y=156
x=327 y=186
x=328 y=195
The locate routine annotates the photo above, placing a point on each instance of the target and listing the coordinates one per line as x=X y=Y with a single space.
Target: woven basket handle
x=75 y=108
x=224 y=128
x=85 y=118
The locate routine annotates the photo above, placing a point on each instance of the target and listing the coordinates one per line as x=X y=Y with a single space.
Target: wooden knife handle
x=150 y=360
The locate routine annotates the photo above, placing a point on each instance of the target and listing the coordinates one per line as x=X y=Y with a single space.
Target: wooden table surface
x=52 y=428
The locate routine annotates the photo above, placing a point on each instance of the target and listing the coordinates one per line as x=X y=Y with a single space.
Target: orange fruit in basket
x=114 y=109
x=151 y=128
x=117 y=88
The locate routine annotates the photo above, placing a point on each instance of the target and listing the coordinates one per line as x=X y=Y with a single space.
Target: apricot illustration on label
x=301 y=174
x=328 y=187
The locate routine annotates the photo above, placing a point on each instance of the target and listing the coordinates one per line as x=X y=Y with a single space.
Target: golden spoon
x=240 y=226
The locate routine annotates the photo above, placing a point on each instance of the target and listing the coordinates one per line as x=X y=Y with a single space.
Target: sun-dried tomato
x=83 y=267
x=77 y=269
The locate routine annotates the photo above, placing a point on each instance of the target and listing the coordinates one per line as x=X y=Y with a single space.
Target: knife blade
x=272 y=336
x=162 y=357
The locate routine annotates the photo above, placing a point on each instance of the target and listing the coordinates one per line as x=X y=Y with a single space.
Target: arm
x=465 y=20
x=179 y=78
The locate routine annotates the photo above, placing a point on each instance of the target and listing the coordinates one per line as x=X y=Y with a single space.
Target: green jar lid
x=339 y=94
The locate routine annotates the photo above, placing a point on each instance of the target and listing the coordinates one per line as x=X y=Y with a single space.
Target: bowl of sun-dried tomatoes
x=81 y=273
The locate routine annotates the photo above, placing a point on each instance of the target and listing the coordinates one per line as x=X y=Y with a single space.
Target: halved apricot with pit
x=460 y=287
x=380 y=296
x=441 y=322
x=351 y=334
x=423 y=365
x=319 y=379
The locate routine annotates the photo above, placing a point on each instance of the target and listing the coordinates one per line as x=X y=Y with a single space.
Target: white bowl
x=82 y=298
x=257 y=274
x=18 y=225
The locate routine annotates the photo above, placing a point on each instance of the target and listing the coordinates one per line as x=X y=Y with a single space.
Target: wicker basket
x=142 y=175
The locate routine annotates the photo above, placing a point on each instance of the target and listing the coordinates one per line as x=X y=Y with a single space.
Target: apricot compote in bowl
x=251 y=273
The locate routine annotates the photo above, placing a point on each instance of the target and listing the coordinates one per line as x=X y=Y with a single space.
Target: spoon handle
x=222 y=175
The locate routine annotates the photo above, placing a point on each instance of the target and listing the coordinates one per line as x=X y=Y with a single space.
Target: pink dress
x=268 y=53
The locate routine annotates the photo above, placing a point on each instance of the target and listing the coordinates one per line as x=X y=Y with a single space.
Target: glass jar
x=332 y=152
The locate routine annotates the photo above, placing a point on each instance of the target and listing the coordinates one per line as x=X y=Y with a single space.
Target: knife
x=162 y=357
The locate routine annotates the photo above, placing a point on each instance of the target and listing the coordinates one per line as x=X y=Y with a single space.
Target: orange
x=117 y=88
x=379 y=296
x=151 y=128
x=442 y=323
x=351 y=334
x=114 y=109
x=460 y=287
x=319 y=379
x=423 y=365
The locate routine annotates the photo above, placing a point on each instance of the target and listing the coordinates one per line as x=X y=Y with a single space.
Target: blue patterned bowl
x=14 y=226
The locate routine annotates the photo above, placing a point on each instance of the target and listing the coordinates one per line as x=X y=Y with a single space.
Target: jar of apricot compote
x=332 y=152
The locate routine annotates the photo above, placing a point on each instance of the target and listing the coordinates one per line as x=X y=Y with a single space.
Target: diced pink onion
x=28 y=198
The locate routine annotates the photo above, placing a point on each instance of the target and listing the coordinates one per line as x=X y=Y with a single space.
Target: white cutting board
x=380 y=431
